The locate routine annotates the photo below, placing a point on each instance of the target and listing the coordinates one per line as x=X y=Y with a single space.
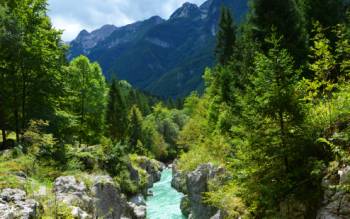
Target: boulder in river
x=152 y=167
x=197 y=183
x=178 y=181
x=137 y=211
x=138 y=199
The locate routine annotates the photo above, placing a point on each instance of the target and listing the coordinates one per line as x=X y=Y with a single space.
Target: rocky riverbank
x=83 y=196
x=335 y=203
x=194 y=184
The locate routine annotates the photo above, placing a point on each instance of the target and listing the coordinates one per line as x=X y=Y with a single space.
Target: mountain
x=164 y=57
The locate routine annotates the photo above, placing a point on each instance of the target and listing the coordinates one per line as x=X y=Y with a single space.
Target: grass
x=9 y=169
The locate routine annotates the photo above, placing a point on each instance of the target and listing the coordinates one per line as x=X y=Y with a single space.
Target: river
x=165 y=202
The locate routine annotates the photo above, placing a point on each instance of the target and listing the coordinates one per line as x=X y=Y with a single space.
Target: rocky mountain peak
x=185 y=11
x=163 y=57
x=83 y=34
x=157 y=19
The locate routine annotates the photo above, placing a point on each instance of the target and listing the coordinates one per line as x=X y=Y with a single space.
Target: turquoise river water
x=165 y=202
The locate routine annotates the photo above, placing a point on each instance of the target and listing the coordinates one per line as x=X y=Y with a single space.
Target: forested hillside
x=275 y=114
x=164 y=57
x=268 y=138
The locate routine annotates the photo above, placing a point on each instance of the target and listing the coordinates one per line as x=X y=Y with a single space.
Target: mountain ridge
x=163 y=56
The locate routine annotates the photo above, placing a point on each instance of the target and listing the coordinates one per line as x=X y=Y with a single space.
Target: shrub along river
x=165 y=202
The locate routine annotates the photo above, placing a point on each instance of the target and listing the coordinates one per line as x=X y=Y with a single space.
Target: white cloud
x=70 y=27
x=74 y=15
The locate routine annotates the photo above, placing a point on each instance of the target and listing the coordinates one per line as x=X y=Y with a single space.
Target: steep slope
x=164 y=57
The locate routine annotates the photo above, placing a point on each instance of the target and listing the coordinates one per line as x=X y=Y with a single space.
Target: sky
x=72 y=16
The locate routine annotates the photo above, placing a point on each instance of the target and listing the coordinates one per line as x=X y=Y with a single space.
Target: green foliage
x=31 y=59
x=113 y=158
x=316 y=9
x=287 y=19
x=163 y=126
x=225 y=37
x=116 y=113
x=87 y=99
x=9 y=168
x=324 y=60
x=135 y=134
x=266 y=133
x=272 y=130
x=38 y=143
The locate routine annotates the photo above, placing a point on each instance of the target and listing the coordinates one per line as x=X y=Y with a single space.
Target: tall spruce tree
x=135 y=128
x=226 y=37
x=328 y=12
x=116 y=113
x=270 y=154
x=287 y=19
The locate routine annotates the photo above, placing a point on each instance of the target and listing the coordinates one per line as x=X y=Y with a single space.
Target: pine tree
x=226 y=37
x=270 y=154
x=328 y=12
x=116 y=113
x=135 y=128
x=287 y=19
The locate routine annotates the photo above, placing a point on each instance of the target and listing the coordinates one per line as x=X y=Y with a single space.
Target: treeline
x=272 y=106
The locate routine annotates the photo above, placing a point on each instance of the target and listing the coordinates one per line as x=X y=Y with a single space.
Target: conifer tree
x=328 y=12
x=272 y=121
x=287 y=19
x=135 y=128
x=226 y=37
x=116 y=113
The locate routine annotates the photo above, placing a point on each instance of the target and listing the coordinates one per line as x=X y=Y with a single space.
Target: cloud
x=74 y=15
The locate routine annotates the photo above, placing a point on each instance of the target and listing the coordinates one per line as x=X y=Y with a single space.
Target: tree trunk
x=82 y=110
x=16 y=108
x=3 y=137
x=16 y=120
x=282 y=135
x=2 y=121
x=24 y=88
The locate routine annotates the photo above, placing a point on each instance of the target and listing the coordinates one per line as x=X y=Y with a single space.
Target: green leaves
x=87 y=99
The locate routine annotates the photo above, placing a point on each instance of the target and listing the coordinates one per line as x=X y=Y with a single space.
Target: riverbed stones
x=137 y=211
x=14 y=204
x=138 y=199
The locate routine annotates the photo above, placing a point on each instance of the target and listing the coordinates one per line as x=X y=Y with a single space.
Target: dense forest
x=274 y=114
